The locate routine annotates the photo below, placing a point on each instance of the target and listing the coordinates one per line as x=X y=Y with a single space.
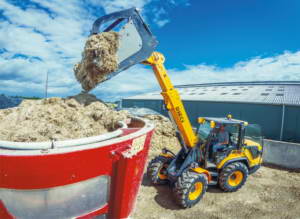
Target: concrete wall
x=283 y=154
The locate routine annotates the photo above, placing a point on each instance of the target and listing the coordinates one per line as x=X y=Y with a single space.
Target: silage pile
x=164 y=134
x=99 y=59
x=79 y=116
x=74 y=117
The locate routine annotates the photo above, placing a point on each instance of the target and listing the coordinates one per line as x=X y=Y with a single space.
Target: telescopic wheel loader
x=190 y=171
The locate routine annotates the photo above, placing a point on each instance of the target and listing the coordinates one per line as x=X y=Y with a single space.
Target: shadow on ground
x=214 y=189
x=164 y=196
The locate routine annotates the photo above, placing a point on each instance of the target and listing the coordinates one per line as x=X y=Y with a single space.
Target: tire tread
x=154 y=167
x=227 y=171
x=182 y=187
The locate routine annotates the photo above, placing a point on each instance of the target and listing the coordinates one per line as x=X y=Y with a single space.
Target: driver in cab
x=222 y=138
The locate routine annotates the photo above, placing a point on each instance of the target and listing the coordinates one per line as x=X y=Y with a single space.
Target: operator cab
x=239 y=134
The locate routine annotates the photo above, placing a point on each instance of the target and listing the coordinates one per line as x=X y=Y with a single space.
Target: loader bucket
x=136 y=42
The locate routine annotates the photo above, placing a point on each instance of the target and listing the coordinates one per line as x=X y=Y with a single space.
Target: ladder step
x=214 y=173
x=213 y=183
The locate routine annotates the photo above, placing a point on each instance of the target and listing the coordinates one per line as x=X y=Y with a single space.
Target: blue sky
x=225 y=32
x=203 y=41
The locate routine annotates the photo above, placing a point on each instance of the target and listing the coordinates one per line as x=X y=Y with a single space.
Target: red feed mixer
x=93 y=179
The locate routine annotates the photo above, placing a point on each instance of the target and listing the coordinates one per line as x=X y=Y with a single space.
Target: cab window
x=233 y=133
x=253 y=133
x=204 y=130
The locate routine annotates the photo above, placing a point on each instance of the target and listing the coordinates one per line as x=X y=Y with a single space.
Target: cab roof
x=221 y=120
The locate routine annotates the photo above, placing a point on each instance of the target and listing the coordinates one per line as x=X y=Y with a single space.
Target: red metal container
x=99 y=179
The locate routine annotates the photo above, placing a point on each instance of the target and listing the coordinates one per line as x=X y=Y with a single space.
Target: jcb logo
x=179 y=113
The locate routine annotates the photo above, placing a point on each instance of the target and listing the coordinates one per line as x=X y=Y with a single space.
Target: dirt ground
x=268 y=193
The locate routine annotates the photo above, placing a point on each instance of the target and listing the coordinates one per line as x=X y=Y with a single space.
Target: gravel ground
x=269 y=193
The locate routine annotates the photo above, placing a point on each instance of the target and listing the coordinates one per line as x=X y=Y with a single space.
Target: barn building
x=275 y=105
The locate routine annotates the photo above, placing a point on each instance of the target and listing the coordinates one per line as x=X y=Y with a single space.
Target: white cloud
x=116 y=5
x=36 y=42
x=157 y=13
x=141 y=79
x=281 y=67
x=162 y=23
x=135 y=79
x=159 y=17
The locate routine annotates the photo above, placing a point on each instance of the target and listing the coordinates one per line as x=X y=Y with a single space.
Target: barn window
x=264 y=94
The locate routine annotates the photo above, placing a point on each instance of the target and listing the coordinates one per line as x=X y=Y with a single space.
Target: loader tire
x=156 y=170
x=233 y=177
x=190 y=189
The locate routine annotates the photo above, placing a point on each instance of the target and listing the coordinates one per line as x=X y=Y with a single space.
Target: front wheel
x=157 y=170
x=233 y=177
x=190 y=188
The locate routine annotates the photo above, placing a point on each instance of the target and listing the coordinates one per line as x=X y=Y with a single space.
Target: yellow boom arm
x=172 y=99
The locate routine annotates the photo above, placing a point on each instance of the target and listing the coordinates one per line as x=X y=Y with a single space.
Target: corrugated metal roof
x=287 y=93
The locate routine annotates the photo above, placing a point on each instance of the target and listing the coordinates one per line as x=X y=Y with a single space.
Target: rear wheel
x=157 y=170
x=190 y=188
x=233 y=177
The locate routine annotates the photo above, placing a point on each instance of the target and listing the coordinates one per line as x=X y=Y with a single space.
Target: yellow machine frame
x=176 y=108
x=233 y=168
x=172 y=99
